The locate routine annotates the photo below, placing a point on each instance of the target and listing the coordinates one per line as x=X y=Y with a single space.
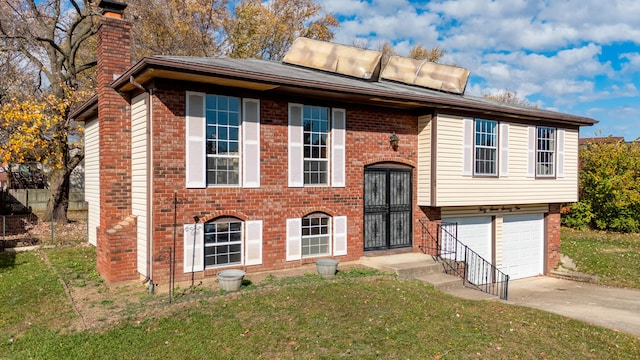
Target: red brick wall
x=367 y=142
x=114 y=241
x=431 y=219
x=552 y=225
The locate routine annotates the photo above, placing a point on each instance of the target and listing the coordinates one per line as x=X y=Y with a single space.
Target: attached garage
x=523 y=245
x=475 y=232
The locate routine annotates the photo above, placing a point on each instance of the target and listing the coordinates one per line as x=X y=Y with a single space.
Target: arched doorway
x=388 y=198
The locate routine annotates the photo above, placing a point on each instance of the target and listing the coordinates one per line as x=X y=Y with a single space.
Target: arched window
x=223 y=242
x=316 y=235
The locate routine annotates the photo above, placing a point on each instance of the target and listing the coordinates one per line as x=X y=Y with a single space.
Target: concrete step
x=405 y=270
x=414 y=270
x=442 y=281
x=422 y=267
x=471 y=294
x=454 y=285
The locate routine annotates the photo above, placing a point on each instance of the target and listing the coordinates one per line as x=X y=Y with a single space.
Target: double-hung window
x=316 y=235
x=223 y=140
x=316 y=149
x=225 y=241
x=316 y=127
x=222 y=242
x=486 y=148
x=545 y=151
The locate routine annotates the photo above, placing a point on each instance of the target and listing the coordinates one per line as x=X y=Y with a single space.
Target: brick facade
x=552 y=227
x=431 y=218
x=367 y=143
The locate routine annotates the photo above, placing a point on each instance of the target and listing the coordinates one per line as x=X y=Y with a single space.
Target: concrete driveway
x=613 y=308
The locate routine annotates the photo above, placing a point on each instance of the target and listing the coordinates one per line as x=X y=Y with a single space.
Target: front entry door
x=387 y=208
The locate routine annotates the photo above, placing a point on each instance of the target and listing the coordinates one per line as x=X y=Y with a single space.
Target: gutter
x=149 y=175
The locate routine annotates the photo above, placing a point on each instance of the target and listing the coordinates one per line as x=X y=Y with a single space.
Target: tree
x=178 y=27
x=54 y=38
x=419 y=52
x=35 y=130
x=511 y=98
x=267 y=30
x=387 y=51
x=609 y=186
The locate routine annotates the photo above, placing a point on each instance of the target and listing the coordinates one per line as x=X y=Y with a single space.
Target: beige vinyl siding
x=92 y=177
x=139 y=176
x=498 y=240
x=424 y=160
x=509 y=209
x=453 y=189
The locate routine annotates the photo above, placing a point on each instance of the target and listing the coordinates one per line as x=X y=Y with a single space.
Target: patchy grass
x=380 y=318
x=359 y=315
x=613 y=257
x=31 y=297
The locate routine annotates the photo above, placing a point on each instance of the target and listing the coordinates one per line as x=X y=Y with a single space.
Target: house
x=194 y=165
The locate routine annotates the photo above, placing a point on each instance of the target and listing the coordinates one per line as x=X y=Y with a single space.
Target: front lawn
x=304 y=317
x=613 y=257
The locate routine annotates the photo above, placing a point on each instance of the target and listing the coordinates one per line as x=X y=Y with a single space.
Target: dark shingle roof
x=277 y=73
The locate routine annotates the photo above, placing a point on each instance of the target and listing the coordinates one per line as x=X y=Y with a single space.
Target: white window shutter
x=504 y=150
x=294 y=239
x=253 y=236
x=296 y=146
x=467 y=147
x=338 y=148
x=193 y=247
x=251 y=143
x=560 y=169
x=196 y=133
x=531 y=155
x=340 y=235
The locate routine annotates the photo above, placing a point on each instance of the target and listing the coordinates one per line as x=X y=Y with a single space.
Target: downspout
x=149 y=176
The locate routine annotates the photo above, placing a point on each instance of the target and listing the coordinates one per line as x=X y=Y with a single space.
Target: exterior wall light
x=393 y=141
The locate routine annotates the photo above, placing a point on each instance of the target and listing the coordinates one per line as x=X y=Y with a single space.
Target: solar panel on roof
x=426 y=74
x=336 y=58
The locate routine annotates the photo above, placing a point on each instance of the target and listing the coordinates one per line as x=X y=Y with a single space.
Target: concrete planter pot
x=230 y=280
x=327 y=267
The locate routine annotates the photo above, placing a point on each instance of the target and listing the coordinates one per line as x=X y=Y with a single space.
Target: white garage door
x=523 y=245
x=475 y=232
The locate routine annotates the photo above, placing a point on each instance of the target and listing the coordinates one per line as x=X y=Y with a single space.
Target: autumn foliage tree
x=417 y=52
x=178 y=27
x=38 y=129
x=266 y=30
x=52 y=38
x=511 y=98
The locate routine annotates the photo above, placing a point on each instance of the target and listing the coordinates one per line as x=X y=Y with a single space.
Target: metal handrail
x=460 y=260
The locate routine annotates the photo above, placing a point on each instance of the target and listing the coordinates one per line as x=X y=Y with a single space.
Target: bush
x=610 y=186
x=577 y=215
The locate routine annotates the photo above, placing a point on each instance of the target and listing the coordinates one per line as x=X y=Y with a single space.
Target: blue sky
x=576 y=56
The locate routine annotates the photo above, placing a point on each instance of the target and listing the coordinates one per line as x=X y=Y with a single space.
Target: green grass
x=30 y=296
x=359 y=315
x=380 y=318
x=77 y=265
x=613 y=257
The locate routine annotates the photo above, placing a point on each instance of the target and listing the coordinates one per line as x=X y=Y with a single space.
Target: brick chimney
x=116 y=242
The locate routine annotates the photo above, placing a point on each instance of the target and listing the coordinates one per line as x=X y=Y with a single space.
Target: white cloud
x=561 y=54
